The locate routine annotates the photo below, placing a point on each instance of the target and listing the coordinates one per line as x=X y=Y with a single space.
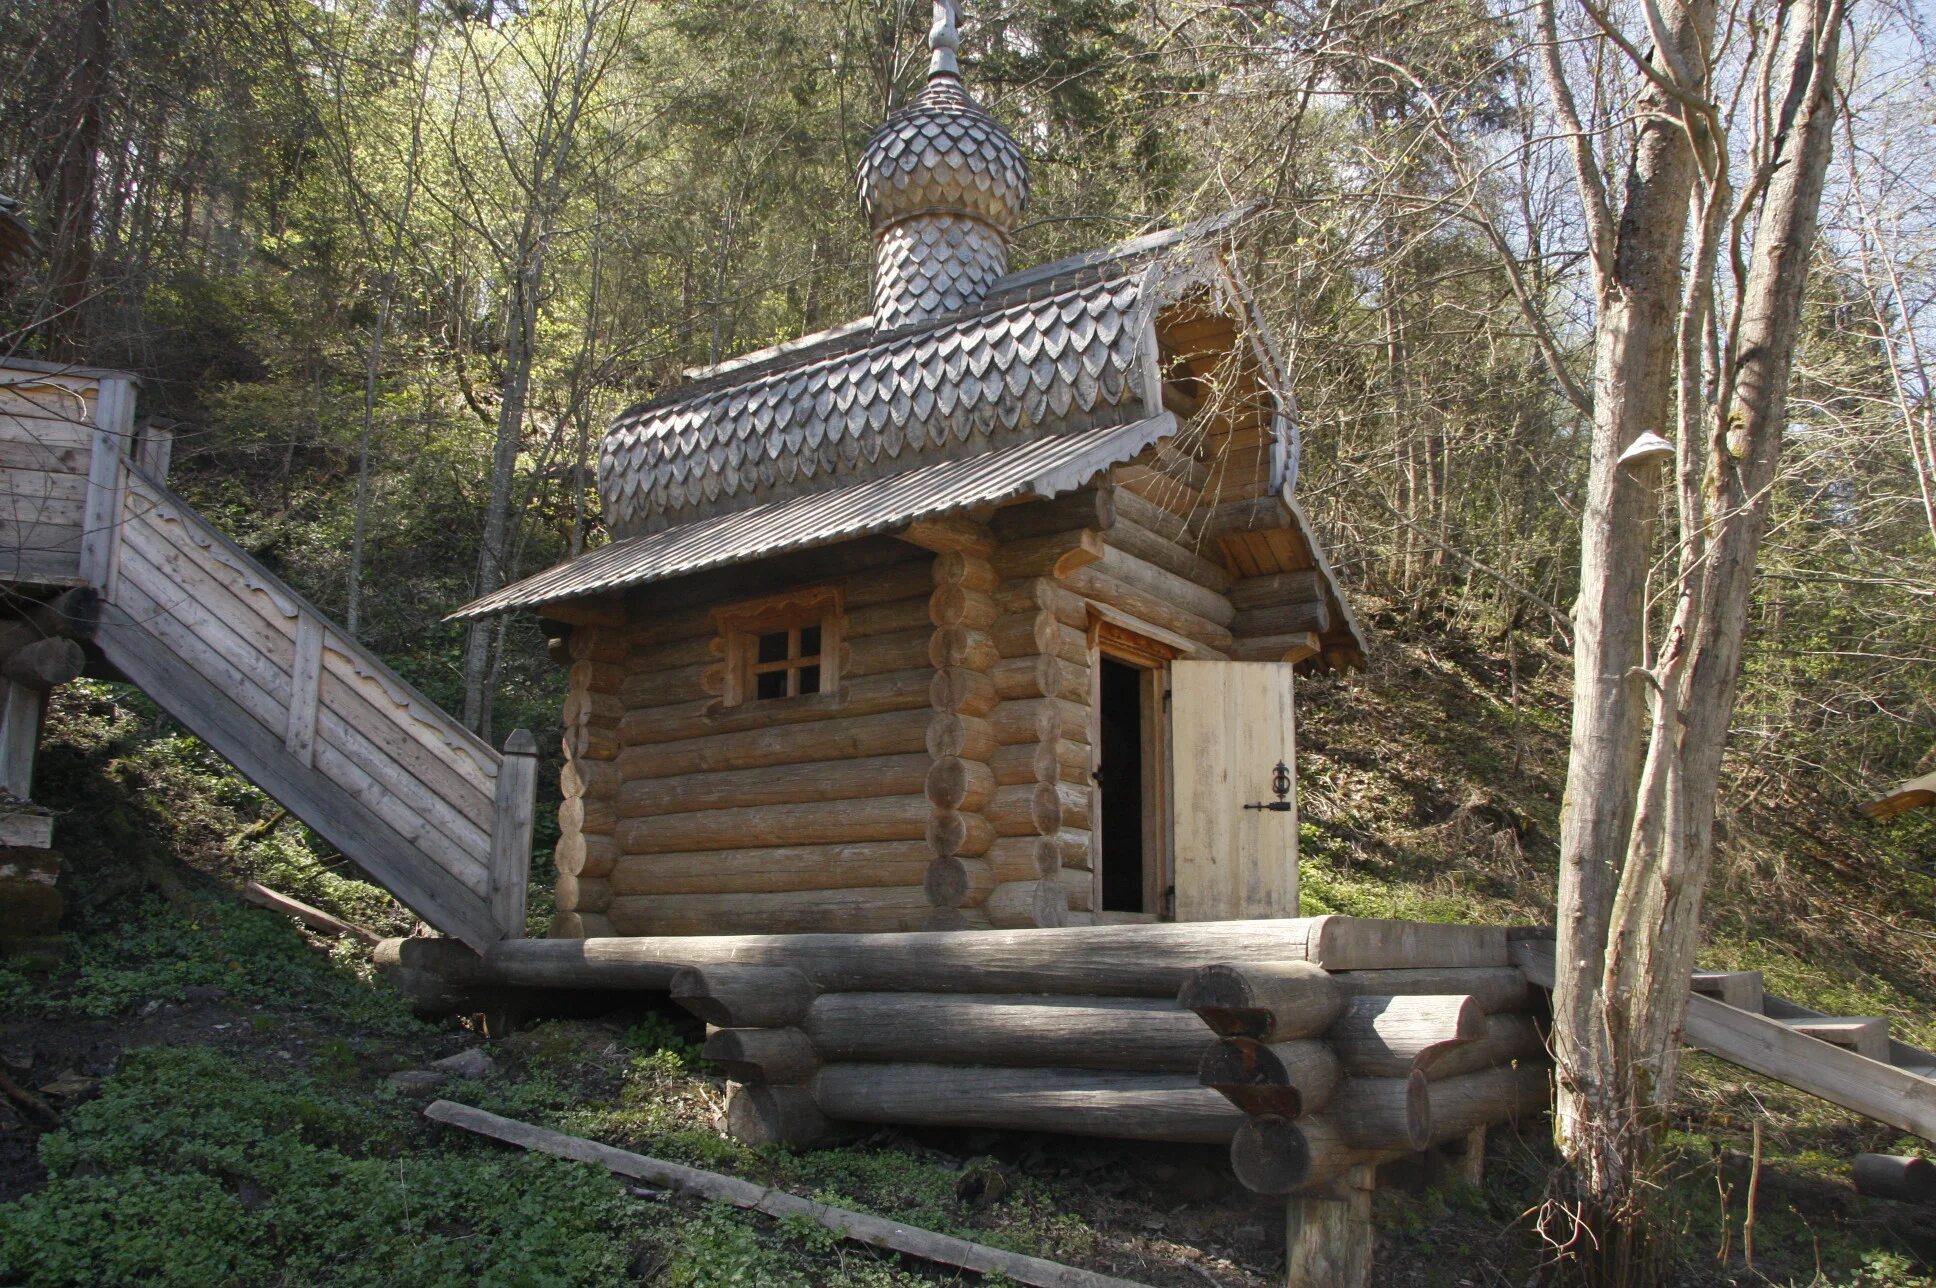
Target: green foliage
x=195 y=1169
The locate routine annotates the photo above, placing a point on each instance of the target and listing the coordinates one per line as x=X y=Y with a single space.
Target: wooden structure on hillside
x=1917 y=793
x=981 y=611
x=106 y=570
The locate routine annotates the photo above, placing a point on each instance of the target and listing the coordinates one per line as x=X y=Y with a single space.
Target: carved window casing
x=783 y=646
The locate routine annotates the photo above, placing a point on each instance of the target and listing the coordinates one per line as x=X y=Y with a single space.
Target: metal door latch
x=1281 y=784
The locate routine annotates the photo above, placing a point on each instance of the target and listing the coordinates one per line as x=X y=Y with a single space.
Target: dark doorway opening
x=1120 y=774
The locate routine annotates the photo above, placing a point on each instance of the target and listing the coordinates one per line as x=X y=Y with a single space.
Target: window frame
x=742 y=625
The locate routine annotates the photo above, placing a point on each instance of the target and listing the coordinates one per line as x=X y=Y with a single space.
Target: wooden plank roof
x=1039 y=467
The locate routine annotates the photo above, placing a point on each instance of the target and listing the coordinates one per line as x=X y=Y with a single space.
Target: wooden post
x=19 y=737
x=1327 y=1237
x=106 y=474
x=305 y=687
x=517 y=791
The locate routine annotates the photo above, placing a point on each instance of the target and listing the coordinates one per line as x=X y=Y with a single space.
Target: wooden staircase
x=1850 y=1061
x=426 y=808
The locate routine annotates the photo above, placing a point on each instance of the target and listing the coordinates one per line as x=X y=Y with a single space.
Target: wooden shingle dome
x=941 y=183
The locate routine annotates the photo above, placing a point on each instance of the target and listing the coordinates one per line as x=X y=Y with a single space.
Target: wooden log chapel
x=982 y=611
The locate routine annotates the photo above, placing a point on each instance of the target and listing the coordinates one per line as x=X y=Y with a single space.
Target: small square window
x=784 y=647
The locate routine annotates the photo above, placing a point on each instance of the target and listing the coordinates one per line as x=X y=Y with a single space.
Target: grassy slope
x=241 y=1122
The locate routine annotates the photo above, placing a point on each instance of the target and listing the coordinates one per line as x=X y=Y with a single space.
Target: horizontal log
x=882 y=654
x=1172 y=556
x=960 y=691
x=1018 y=858
x=1093 y=583
x=967 y=570
x=1276 y=588
x=1161 y=584
x=833 y=780
x=1026 y=634
x=942 y=533
x=585 y=855
x=601 y=678
x=1040 y=720
x=589 y=778
x=1041 y=595
x=962 y=646
x=1506 y=1039
x=1143 y=960
x=582 y=894
x=870 y=695
x=1268 y=1001
x=1270 y=1155
x=758 y=1115
x=1022 y=904
x=1004 y=1030
x=1055 y=554
x=695 y=650
x=859 y=910
x=960 y=606
x=881 y=818
x=838 y=737
x=772 y=869
x=950 y=831
x=588 y=814
x=669 y=687
x=957 y=784
x=951 y=882
x=1378 y=1114
x=949 y=733
x=1090 y=507
x=1293 y=618
x=1387 y=1037
x=1042 y=675
x=1079 y=886
x=743 y=996
x=1040 y=809
x=1892 y=1176
x=772 y=1056
x=1473 y=1100
x=1498 y=989
x=885 y=618
x=1276 y=648
x=1082 y=1102
x=1289 y=1079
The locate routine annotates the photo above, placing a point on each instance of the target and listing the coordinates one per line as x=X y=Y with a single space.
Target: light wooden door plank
x=1231 y=724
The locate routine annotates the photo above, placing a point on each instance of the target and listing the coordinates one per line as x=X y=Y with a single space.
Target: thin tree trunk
x=1634 y=380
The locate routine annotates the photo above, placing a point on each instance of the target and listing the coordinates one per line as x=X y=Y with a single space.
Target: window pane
x=809 y=641
x=770 y=684
x=772 y=647
x=809 y=679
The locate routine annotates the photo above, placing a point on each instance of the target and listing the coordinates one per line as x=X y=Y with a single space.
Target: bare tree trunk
x=1639 y=268
x=1628 y=933
x=1656 y=918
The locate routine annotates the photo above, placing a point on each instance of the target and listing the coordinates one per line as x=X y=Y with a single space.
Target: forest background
x=394 y=264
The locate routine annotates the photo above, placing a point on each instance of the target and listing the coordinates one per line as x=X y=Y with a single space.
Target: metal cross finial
x=943 y=40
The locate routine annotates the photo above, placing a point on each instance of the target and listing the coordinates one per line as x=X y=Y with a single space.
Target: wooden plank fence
x=426 y=808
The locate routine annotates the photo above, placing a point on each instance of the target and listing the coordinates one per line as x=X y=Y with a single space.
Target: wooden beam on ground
x=1328 y=1237
x=862 y=1228
x=263 y=897
x=1121 y=961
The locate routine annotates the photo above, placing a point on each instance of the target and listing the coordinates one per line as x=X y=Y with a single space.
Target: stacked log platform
x=1308 y=1046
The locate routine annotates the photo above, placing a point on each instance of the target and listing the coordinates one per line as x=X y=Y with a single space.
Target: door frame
x=1151 y=657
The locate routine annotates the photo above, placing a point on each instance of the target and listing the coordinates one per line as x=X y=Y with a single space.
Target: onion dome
x=941 y=183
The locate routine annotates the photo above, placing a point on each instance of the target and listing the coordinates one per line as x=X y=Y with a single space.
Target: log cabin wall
x=947 y=782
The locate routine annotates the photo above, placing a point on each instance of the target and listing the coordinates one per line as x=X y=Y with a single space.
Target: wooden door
x=1230 y=726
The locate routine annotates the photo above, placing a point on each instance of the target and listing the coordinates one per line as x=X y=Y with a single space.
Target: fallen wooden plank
x=1767 y=1046
x=263 y=897
x=859 y=1226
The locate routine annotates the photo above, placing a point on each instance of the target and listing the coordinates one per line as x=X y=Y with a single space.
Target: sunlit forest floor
x=227 y=1114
